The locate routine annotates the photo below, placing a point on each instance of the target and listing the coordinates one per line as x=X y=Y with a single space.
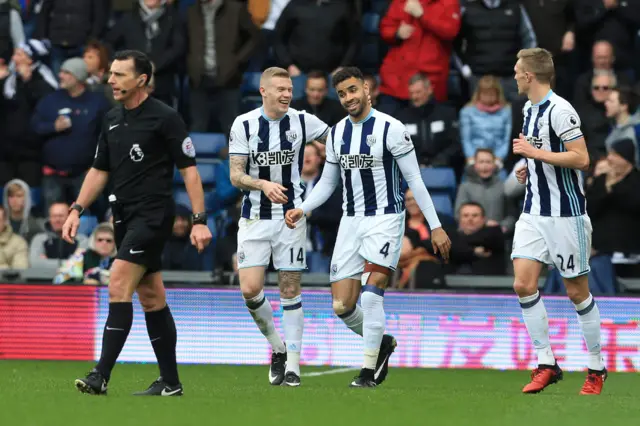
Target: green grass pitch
x=34 y=393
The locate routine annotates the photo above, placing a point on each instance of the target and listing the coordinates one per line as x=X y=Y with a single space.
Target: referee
x=140 y=143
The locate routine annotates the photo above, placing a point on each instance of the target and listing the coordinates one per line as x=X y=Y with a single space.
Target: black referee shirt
x=140 y=147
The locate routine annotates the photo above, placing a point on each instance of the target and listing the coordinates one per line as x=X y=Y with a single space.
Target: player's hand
x=70 y=227
x=404 y=31
x=292 y=217
x=441 y=243
x=275 y=192
x=521 y=174
x=414 y=8
x=522 y=147
x=200 y=236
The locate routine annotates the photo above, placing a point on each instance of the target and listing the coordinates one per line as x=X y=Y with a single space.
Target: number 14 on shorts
x=297 y=257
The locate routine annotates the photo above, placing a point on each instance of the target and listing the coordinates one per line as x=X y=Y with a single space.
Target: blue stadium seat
x=182 y=197
x=440 y=179
x=370 y=54
x=208 y=144
x=251 y=83
x=299 y=85
x=207 y=174
x=318 y=262
x=443 y=204
x=380 y=6
x=371 y=23
x=87 y=224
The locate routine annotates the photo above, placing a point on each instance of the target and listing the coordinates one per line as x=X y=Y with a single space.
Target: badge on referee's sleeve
x=187 y=147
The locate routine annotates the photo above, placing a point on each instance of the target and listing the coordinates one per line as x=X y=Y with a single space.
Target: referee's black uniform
x=139 y=148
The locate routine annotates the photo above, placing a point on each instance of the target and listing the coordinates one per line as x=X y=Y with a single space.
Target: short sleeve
x=239 y=138
x=316 y=128
x=399 y=141
x=101 y=159
x=566 y=123
x=180 y=144
x=330 y=151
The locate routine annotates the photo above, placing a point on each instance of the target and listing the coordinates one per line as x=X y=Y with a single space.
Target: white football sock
x=537 y=322
x=262 y=313
x=353 y=319
x=372 y=300
x=589 y=319
x=293 y=324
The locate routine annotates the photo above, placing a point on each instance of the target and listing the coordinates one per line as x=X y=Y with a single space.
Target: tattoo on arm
x=289 y=283
x=239 y=178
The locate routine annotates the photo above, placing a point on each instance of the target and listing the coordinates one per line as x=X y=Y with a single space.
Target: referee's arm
x=98 y=175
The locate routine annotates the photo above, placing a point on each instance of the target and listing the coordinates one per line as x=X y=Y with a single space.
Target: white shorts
x=259 y=240
x=375 y=239
x=564 y=242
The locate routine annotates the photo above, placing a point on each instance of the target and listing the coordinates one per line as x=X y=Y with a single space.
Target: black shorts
x=141 y=236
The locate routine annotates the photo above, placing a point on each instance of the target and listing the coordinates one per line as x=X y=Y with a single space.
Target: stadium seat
x=207 y=174
x=182 y=197
x=371 y=23
x=443 y=204
x=251 y=83
x=440 y=179
x=318 y=262
x=87 y=224
x=380 y=6
x=208 y=144
x=299 y=85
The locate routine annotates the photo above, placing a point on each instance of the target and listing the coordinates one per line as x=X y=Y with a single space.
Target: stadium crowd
x=442 y=67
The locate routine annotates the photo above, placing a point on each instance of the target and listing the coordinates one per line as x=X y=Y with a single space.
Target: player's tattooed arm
x=239 y=178
x=289 y=283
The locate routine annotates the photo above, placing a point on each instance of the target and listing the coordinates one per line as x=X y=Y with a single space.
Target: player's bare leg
x=252 y=288
x=589 y=319
x=125 y=277
x=163 y=336
x=293 y=323
x=534 y=313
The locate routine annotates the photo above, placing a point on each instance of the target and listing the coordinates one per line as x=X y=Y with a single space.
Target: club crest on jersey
x=232 y=137
x=334 y=269
x=241 y=257
x=273 y=158
x=291 y=135
x=541 y=124
x=371 y=140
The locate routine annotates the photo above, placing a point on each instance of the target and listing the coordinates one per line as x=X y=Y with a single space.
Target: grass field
x=42 y=393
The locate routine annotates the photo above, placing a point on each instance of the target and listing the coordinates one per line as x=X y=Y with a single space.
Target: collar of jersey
x=267 y=118
x=364 y=119
x=545 y=99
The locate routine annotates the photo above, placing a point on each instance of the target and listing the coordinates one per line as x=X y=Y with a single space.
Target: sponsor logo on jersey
x=273 y=158
x=535 y=141
x=356 y=161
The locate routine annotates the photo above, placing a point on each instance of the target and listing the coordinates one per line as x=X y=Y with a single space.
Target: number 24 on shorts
x=299 y=257
x=570 y=264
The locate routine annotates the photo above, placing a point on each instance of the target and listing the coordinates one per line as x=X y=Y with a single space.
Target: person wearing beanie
x=69 y=121
x=614 y=201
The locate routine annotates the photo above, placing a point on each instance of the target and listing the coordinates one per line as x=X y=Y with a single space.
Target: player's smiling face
x=277 y=95
x=353 y=95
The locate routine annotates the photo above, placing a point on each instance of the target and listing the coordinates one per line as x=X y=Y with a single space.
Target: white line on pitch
x=324 y=373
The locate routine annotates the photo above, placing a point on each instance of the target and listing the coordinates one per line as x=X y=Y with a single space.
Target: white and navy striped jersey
x=275 y=150
x=551 y=190
x=366 y=152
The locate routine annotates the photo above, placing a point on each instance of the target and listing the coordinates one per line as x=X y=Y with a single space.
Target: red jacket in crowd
x=427 y=50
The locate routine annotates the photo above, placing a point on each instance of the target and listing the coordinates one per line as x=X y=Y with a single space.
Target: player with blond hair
x=554 y=227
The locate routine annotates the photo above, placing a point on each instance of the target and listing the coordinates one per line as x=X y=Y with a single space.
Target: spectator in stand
x=614 y=201
x=318 y=35
x=17 y=207
x=179 y=254
x=69 y=121
x=263 y=55
x=157 y=30
x=616 y=21
x=485 y=122
x=554 y=25
x=13 y=248
x=69 y=24
x=374 y=89
x=48 y=249
x=433 y=126
x=420 y=35
x=484 y=186
x=477 y=248
x=96 y=58
x=316 y=102
x=603 y=59
x=492 y=33
x=91 y=265
x=222 y=38
x=24 y=82
x=322 y=224
x=11 y=30
x=595 y=124
x=621 y=105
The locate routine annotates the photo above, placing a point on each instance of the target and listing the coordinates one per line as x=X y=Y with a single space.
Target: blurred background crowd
x=442 y=67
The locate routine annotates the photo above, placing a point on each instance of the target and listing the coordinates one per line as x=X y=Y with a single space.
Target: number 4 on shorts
x=385 y=249
x=299 y=257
